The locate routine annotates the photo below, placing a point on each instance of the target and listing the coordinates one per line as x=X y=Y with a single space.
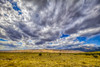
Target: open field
x=46 y=50
x=42 y=59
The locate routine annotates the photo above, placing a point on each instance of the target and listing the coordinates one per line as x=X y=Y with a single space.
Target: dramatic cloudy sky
x=49 y=24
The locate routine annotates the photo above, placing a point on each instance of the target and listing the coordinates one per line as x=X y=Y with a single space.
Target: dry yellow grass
x=40 y=59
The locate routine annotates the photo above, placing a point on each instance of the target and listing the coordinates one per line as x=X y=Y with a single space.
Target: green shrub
x=40 y=54
x=59 y=53
x=95 y=56
x=8 y=58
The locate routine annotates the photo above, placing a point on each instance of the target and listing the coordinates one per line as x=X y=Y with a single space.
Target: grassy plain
x=29 y=59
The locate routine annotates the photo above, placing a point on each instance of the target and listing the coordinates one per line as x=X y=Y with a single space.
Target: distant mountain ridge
x=86 y=49
x=72 y=50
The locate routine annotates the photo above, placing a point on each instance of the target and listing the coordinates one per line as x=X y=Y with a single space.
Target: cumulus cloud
x=42 y=21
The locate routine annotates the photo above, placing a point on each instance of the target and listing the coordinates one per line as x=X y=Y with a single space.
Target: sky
x=49 y=24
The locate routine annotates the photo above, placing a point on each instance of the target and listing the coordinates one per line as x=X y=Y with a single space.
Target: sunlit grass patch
x=50 y=59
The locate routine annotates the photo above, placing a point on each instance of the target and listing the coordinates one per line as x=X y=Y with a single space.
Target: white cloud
x=44 y=22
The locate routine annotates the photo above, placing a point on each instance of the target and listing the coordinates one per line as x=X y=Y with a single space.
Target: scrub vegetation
x=29 y=59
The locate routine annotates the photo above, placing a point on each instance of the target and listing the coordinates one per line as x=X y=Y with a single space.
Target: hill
x=86 y=49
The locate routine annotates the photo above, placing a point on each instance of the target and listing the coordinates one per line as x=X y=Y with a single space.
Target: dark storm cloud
x=91 y=23
x=40 y=42
x=13 y=34
x=27 y=31
x=10 y=45
x=37 y=2
x=2 y=36
x=3 y=1
x=44 y=20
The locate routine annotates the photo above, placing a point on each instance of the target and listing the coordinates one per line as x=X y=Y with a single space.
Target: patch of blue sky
x=94 y=40
x=15 y=6
x=3 y=40
x=30 y=41
x=5 y=14
x=20 y=43
x=50 y=43
x=64 y=35
x=81 y=39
